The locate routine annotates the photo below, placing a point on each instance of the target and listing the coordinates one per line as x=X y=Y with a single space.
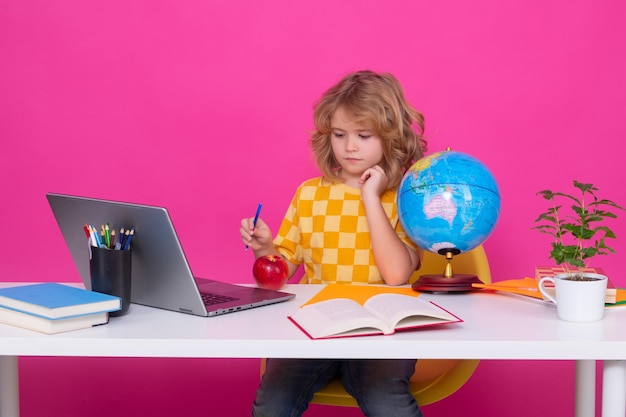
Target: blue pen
x=120 y=244
x=92 y=236
x=97 y=238
x=256 y=217
x=129 y=238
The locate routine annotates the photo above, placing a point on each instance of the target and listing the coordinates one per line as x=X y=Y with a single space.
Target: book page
x=402 y=311
x=338 y=317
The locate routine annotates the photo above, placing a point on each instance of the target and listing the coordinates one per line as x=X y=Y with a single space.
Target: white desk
x=495 y=327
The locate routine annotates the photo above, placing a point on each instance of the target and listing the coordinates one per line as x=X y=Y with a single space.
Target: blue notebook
x=55 y=301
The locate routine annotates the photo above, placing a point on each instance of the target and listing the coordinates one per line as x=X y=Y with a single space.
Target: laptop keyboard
x=210 y=299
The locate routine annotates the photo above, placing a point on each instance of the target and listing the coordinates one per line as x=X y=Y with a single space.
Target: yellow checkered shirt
x=326 y=229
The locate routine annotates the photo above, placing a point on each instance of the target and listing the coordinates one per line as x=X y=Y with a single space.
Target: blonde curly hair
x=376 y=100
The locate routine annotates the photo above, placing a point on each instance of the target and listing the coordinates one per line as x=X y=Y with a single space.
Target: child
x=344 y=228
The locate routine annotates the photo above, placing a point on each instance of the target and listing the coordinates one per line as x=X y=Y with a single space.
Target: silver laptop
x=161 y=276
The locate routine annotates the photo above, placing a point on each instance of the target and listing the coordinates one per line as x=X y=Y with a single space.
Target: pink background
x=204 y=107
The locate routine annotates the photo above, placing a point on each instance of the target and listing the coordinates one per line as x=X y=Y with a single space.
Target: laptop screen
x=161 y=276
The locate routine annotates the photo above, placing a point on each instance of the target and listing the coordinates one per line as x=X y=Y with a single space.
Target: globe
x=448 y=202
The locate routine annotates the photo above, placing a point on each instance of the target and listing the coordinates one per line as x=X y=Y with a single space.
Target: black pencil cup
x=111 y=274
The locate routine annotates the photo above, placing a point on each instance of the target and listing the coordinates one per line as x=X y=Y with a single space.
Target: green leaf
x=575 y=240
x=548 y=217
x=605 y=202
x=547 y=194
x=585 y=188
x=608 y=233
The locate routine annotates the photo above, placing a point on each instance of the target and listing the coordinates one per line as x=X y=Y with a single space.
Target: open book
x=381 y=314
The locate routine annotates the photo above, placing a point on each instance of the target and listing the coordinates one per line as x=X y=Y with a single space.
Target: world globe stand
x=448 y=281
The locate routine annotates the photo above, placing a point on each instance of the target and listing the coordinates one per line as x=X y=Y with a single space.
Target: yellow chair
x=434 y=379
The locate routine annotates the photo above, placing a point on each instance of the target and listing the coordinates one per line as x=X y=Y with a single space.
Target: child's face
x=355 y=146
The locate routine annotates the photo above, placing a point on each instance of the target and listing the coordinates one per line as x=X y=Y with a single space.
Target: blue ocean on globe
x=448 y=200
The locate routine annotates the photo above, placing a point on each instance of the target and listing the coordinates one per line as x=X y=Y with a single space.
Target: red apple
x=270 y=272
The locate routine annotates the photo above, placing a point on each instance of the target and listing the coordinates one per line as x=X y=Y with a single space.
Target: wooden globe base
x=448 y=281
x=441 y=283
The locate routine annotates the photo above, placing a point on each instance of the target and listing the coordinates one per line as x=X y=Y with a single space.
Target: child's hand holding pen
x=255 y=233
x=257 y=237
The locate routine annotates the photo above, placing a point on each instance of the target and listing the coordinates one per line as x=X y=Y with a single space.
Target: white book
x=51 y=326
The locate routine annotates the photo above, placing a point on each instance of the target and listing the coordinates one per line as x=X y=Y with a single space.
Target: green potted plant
x=577 y=225
x=578 y=229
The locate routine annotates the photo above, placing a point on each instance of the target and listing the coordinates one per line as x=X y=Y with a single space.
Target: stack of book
x=54 y=308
